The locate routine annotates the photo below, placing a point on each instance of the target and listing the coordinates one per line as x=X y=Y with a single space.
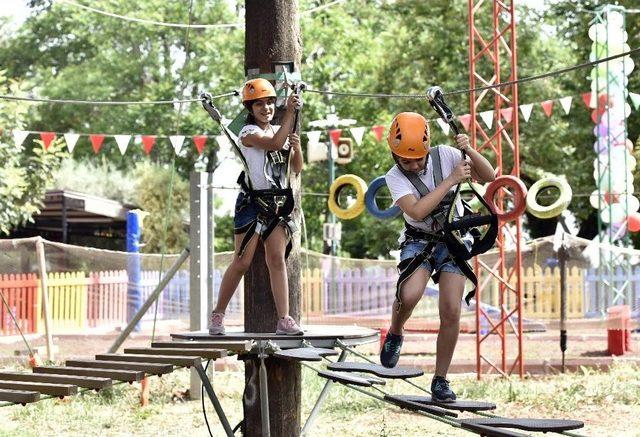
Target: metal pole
x=152 y=298
x=264 y=394
x=214 y=399
x=42 y=266
x=562 y=265
x=323 y=395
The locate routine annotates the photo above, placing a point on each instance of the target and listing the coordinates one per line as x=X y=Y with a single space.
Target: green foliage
x=164 y=229
x=398 y=47
x=26 y=171
x=99 y=178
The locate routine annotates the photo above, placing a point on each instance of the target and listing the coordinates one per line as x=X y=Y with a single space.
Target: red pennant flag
x=586 y=98
x=547 y=107
x=96 y=142
x=465 y=120
x=335 y=135
x=147 y=143
x=199 y=141
x=377 y=131
x=47 y=137
x=507 y=114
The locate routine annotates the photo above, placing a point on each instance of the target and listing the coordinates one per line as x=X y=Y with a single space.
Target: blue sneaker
x=390 y=353
x=440 y=390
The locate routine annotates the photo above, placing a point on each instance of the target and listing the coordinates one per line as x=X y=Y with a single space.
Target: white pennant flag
x=314 y=136
x=487 y=117
x=177 y=141
x=71 y=140
x=123 y=142
x=19 y=136
x=526 y=111
x=357 y=132
x=566 y=103
x=225 y=147
x=444 y=126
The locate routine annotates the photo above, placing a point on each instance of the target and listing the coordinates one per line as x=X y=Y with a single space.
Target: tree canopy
x=399 y=47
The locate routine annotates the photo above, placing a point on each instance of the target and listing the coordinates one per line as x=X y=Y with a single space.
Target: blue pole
x=134 y=289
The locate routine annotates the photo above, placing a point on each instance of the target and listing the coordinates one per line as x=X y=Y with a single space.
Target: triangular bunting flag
x=465 y=120
x=444 y=126
x=566 y=103
x=123 y=142
x=587 y=98
x=199 y=141
x=177 y=141
x=147 y=143
x=314 y=136
x=377 y=131
x=507 y=114
x=335 y=135
x=357 y=133
x=635 y=99
x=19 y=136
x=547 y=107
x=71 y=140
x=96 y=142
x=487 y=117
x=47 y=137
x=526 y=111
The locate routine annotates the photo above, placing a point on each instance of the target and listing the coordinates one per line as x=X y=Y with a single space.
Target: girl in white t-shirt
x=261 y=144
x=409 y=142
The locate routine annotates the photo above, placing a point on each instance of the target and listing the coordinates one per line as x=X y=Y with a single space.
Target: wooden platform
x=319 y=336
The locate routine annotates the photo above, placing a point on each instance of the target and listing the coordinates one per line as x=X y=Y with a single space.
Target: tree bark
x=272 y=34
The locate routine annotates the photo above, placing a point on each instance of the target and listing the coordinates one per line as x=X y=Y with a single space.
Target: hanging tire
x=371 y=204
x=474 y=203
x=354 y=210
x=519 y=196
x=556 y=208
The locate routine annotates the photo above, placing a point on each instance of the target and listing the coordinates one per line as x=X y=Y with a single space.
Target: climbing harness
x=276 y=203
x=446 y=227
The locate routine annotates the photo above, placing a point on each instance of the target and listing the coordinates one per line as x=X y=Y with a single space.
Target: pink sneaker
x=288 y=326
x=216 y=323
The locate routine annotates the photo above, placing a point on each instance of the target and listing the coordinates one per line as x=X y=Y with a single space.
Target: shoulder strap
x=437 y=165
x=415 y=179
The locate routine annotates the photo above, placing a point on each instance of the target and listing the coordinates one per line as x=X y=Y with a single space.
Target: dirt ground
x=346 y=412
x=586 y=345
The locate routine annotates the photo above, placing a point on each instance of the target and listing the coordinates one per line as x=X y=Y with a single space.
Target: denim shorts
x=246 y=212
x=440 y=255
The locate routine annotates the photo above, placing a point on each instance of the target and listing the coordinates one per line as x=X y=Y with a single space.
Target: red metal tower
x=493 y=59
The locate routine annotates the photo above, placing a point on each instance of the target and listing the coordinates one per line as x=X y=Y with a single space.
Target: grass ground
x=608 y=403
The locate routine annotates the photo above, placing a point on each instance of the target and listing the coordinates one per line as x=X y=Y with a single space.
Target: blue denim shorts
x=245 y=213
x=440 y=254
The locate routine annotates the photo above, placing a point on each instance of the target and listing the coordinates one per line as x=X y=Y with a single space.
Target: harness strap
x=407 y=267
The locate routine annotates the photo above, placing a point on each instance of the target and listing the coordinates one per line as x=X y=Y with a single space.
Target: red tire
x=519 y=196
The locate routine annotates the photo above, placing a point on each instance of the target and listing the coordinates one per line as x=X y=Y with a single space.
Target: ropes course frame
x=487 y=45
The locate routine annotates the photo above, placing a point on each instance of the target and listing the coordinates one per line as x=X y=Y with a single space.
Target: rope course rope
x=112 y=102
x=342 y=93
x=181 y=25
x=482 y=88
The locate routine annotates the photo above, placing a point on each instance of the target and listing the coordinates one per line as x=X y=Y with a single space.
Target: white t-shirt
x=256 y=157
x=400 y=186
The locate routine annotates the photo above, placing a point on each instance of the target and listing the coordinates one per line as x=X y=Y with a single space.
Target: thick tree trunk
x=272 y=35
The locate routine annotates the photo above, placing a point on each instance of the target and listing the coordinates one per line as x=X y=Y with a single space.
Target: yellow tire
x=357 y=207
x=556 y=208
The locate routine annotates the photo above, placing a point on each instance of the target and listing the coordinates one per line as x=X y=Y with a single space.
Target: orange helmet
x=257 y=89
x=409 y=136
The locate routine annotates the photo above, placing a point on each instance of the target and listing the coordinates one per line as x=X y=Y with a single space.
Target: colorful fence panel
x=21 y=293
x=107 y=299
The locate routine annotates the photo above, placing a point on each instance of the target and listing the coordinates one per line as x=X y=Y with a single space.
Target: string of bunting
x=148 y=142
